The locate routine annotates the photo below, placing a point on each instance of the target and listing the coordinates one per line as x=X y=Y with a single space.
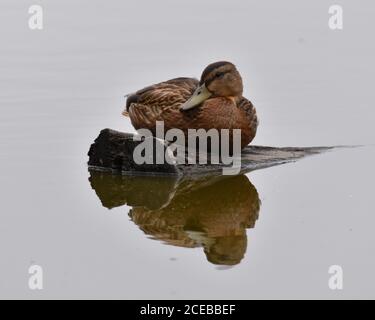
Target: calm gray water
x=60 y=86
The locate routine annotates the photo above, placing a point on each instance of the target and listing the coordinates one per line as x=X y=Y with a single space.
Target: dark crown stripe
x=212 y=67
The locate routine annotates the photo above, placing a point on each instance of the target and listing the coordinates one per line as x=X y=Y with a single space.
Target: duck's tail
x=130 y=97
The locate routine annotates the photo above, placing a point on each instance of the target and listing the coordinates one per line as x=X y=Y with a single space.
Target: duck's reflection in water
x=212 y=213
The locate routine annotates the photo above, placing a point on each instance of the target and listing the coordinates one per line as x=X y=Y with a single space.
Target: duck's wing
x=250 y=112
x=158 y=102
x=164 y=94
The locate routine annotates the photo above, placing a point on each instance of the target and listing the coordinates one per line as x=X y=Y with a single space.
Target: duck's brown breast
x=217 y=113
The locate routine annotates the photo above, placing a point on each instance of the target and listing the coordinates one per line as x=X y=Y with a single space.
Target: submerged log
x=113 y=151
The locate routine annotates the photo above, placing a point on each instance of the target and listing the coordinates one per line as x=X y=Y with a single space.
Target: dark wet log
x=113 y=151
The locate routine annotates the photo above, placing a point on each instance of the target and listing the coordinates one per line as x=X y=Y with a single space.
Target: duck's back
x=152 y=103
x=164 y=94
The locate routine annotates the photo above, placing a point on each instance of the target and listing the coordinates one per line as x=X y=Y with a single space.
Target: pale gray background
x=61 y=85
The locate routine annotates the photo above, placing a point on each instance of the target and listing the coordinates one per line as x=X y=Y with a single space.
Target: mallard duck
x=215 y=101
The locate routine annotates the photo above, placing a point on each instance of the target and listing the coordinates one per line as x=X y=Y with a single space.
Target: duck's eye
x=219 y=75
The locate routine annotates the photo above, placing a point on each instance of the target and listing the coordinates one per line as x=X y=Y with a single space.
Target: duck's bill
x=200 y=94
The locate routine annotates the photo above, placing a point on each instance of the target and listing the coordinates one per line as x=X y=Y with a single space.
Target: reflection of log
x=113 y=151
x=118 y=190
x=212 y=213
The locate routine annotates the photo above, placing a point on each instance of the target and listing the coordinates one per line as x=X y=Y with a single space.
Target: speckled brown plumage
x=226 y=108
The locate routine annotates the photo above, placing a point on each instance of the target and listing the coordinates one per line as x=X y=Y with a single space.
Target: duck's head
x=219 y=79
